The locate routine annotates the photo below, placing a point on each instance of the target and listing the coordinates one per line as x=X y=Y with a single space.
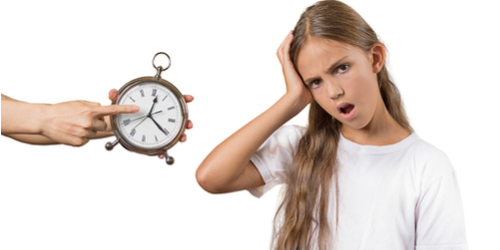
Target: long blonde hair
x=303 y=216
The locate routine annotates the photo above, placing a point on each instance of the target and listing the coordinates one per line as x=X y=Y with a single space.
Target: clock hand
x=140 y=122
x=154 y=103
x=159 y=111
x=145 y=116
x=158 y=125
x=138 y=118
x=150 y=116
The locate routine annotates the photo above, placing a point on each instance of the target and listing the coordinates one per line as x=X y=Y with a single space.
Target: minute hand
x=158 y=125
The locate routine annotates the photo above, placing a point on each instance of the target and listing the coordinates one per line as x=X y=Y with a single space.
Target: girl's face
x=343 y=80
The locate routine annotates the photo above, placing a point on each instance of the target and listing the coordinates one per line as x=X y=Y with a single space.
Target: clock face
x=159 y=120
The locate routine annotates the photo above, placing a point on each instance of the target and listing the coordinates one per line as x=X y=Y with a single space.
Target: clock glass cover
x=159 y=120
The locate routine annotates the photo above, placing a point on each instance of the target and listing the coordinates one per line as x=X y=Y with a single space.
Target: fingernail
x=135 y=108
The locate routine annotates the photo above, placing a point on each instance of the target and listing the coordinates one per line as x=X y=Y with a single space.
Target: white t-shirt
x=394 y=197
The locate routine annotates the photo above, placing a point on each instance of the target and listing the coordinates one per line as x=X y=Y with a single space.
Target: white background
x=442 y=54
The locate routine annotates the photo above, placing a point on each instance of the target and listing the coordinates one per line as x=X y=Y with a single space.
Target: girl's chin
x=354 y=124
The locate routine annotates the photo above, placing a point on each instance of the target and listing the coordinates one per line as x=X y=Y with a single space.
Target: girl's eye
x=314 y=84
x=343 y=68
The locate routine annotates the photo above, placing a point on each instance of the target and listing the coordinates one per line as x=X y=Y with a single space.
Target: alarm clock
x=162 y=118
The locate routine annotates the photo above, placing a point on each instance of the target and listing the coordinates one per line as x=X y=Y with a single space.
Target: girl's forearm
x=227 y=162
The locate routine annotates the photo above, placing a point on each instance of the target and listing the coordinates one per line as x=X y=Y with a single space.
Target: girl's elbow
x=207 y=181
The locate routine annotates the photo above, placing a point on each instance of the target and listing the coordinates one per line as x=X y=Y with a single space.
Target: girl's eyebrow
x=329 y=70
x=335 y=65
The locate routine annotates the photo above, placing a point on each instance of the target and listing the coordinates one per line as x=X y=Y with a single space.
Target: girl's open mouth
x=347 y=111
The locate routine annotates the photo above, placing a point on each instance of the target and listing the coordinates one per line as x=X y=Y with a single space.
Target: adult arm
x=72 y=123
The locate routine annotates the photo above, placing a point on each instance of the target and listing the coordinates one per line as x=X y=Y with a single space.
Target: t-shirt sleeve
x=439 y=212
x=275 y=156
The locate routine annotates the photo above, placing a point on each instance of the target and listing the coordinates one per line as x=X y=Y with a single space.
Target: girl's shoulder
x=429 y=161
x=287 y=136
x=291 y=131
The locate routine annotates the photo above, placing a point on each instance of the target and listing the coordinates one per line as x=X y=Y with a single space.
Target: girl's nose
x=334 y=90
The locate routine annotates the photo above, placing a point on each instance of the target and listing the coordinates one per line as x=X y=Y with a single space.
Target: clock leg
x=169 y=159
x=111 y=145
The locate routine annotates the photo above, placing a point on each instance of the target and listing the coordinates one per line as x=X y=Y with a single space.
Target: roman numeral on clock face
x=126 y=122
x=149 y=131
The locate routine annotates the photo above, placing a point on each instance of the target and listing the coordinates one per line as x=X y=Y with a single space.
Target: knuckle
x=86 y=124
x=81 y=133
x=113 y=109
x=78 y=142
x=86 y=110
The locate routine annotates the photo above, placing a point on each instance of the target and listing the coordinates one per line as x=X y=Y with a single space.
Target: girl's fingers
x=280 y=51
x=283 y=50
x=286 y=51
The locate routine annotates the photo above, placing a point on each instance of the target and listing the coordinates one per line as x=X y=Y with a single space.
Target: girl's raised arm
x=228 y=167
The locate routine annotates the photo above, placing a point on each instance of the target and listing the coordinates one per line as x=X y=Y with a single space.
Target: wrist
x=296 y=101
x=40 y=117
x=288 y=106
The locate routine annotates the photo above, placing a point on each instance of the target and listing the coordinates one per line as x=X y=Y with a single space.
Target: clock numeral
x=166 y=131
x=142 y=92
x=143 y=138
x=171 y=120
x=173 y=107
x=154 y=92
x=132 y=98
x=164 y=98
x=126 y=122
x=156 y=138
x=132 y=133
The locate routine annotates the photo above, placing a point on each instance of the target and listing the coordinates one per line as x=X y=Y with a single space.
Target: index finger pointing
x=115 y=109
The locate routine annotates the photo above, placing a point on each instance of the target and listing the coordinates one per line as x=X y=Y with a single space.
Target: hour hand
x=154 y=102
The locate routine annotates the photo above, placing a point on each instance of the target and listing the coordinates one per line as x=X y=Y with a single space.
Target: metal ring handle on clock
x=160 y=69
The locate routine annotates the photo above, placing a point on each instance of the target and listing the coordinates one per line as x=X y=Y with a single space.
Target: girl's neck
x=382 y=130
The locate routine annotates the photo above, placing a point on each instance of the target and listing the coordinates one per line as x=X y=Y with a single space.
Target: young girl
x=357 y=177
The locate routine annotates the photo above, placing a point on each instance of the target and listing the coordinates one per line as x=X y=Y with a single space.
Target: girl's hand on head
x=188 y=98
x=294 y=84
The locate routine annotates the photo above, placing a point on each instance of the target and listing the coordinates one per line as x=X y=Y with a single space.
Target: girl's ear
x=378 y=57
